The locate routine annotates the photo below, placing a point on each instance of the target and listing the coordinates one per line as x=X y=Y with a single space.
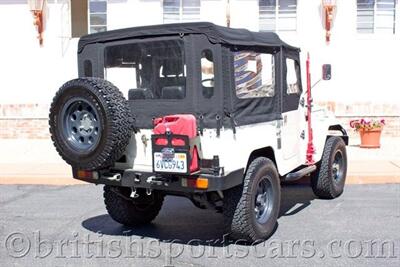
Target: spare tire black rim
x=338 y=166
x=263 y=200
x=81 y=126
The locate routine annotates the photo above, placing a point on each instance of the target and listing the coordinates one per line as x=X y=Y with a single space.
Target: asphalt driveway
x=68 y=225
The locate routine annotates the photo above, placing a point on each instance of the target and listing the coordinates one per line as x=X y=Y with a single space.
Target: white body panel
x=234 y=150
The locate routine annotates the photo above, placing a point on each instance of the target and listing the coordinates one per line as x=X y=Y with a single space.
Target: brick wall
x=30 y=121
x=24 y=129
x=391 y=129
x=24 y=121
x=366 y=110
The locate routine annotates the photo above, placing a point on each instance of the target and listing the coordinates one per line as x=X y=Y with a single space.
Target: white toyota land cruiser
x=214 y=114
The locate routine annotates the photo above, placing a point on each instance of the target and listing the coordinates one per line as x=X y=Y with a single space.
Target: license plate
x=177 y=164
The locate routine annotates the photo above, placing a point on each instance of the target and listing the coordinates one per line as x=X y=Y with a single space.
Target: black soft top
x=215 y=33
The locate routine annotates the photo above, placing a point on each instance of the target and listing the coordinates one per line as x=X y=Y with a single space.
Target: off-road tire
x=115 y=119
x=239 y=203
x=323 y=183
x=132 y=211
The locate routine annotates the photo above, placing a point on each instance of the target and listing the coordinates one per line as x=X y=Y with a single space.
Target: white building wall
x=214 y=11
x=131 y=13
x=244 y=14
x=31 y=74
x=364 y=66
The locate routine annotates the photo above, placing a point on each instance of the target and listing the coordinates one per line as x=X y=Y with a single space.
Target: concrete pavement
x=69 y=226
x=36 y=162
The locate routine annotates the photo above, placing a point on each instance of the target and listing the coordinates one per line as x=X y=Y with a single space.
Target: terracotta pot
x=371 y=138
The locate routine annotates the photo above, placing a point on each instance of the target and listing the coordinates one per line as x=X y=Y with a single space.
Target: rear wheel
x=329 y=179
x=251 y=210
x=132 y=211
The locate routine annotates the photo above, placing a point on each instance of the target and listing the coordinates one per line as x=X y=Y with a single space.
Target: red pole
x=310 y=145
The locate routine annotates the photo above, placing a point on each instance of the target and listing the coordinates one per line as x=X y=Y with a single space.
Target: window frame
x=186 y=57
x=90 y=13
x=213 y=74
x=275 y=58
x=290 y=102
x=374 y=29
x=278 y=17
x=180 y=16
x=298 y=78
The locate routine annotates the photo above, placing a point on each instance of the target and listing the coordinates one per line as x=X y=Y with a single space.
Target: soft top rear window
x=148 y=70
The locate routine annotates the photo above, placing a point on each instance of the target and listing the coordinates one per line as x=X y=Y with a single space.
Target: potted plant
x=370 y=132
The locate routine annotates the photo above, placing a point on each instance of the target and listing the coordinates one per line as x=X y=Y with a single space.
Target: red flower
x=353 y=123
x=362 y=124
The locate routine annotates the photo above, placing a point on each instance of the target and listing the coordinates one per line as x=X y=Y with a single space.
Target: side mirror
x=326 y=72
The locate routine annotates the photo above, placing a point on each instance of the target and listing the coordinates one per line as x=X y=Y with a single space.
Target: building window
x=278 y=15
x=97 y=16
x=254 y=74
x=376 y=16
x=181 y=11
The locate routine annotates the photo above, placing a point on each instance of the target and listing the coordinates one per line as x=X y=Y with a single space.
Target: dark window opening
x=148 y=70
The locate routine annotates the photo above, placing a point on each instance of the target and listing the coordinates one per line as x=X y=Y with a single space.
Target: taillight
x=198 y=183
x=87 y=174
x=202 y=183
x=176 y=141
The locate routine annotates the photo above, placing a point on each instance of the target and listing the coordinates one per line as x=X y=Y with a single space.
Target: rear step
x=299 y=174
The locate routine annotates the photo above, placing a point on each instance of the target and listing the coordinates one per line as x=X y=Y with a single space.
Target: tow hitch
x=157 y=180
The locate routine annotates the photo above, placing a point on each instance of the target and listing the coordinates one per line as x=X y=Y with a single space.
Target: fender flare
x=339 y=128
x=267 y=152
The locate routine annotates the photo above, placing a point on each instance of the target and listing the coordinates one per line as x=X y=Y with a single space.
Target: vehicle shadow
x=181 y=222
x=295 y=197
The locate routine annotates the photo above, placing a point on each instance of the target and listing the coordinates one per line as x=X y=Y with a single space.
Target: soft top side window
x=292 y=76
x=207 y=73
x=254 y=74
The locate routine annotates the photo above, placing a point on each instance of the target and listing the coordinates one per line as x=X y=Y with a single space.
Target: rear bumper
x=173 y=183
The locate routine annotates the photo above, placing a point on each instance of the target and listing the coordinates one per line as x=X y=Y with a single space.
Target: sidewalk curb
x=24 y=180
x=378 y=179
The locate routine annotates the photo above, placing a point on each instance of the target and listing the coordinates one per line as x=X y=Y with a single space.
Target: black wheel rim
x=338 y=166
x=263 y=201
x=81 y=125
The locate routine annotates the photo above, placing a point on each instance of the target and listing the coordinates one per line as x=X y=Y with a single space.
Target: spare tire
x=90 y=123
